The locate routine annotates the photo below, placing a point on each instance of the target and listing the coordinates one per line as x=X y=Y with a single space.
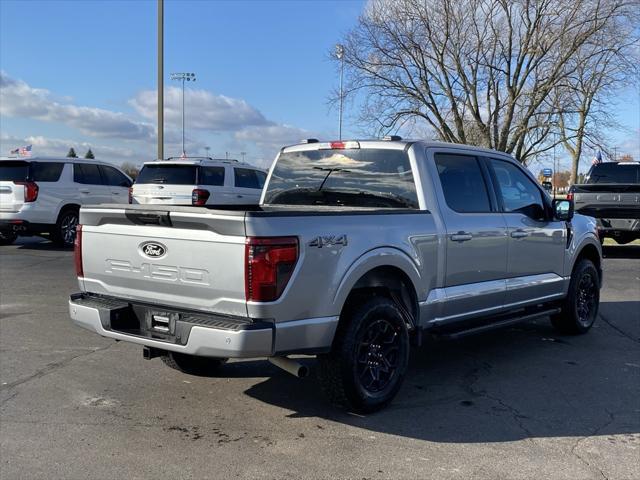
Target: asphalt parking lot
x=519 y=403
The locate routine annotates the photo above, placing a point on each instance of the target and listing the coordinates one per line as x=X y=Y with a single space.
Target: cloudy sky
x=83 y=74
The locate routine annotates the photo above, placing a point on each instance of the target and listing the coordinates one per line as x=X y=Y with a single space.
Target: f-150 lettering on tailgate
x=166 y=273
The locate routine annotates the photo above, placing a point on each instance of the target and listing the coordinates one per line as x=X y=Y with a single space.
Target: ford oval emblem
x=153 y=249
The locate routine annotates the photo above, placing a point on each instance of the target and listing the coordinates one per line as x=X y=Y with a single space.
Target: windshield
x=614 y=173
x=365 y=177
x=169 y=174
x=14 y=171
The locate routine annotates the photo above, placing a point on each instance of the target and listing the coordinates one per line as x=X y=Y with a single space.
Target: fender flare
x=378 y=257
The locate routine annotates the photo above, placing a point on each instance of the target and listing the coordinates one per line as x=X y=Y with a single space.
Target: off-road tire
x=352 y=361
x=192 y=364
x=580 y=309
x=61 y=234
x=7 y=238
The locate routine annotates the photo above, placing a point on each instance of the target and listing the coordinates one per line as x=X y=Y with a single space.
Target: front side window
x=86 y=173
x=519 y=193
x=462 y=182
x=168 y=174
x=368 y=177
x=211 y=176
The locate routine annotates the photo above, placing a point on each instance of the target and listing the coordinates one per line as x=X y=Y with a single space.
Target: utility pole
x=555 y=170
x=160 y=152
x=243 y=154
x=340 y=56
x=189 y=77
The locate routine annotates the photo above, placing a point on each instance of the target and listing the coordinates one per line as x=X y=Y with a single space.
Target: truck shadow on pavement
x=525 y=382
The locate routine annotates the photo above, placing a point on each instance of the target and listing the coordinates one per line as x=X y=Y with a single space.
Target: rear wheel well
x=390 y=282
x=68 y=206
x=590 y=252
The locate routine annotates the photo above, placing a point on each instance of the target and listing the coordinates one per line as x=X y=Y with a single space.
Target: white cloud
x=272 y=134
x=221 y=122
x=55 y=147
x=18 y=99
x=203 y=109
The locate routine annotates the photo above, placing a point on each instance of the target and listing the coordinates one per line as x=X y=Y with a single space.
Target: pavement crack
x=50 y=368
x=473 y=377
x=619 y=330
x=595 y=432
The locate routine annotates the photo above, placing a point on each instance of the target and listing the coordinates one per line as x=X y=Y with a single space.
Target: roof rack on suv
x=392 y=138
x=202 y=158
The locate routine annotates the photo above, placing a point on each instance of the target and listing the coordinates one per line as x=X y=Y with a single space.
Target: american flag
x=597 y=159
x=22 y=151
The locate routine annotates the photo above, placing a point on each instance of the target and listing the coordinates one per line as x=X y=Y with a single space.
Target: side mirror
x=563 y=209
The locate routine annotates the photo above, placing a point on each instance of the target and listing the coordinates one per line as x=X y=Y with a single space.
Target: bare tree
x=480 y=71
x=130 y=169
x=599 y=69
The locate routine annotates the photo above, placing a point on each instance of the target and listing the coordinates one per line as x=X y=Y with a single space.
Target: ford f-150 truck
x=355 y=250
x=611 y=194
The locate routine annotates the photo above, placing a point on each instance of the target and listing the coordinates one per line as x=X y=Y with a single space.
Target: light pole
x=340 y=56
x=189 y=77
x=160 y=153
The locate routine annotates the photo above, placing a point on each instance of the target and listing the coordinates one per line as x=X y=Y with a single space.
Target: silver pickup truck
x=356 y=249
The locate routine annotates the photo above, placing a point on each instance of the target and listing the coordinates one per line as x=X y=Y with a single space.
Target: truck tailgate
x=188 y=258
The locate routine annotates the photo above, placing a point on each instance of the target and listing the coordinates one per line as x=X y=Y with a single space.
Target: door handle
x=519 y=234
x=115 y=193
x=240 y=196
x=85 y=190
x=461 y=237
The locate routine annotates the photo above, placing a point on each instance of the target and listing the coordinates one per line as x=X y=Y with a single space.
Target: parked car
x=356 y=247
x=43 y=195
x=198 y=181
x=612 y=195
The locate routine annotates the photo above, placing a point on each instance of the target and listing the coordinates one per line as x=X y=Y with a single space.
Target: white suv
x=43 y=195
x=198 y=181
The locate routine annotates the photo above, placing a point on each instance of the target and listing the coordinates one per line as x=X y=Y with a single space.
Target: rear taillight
x=31 y=190
x=77 y=251
x=269 y=263
x=199 y=196
x=130 y=195
x=570 y=196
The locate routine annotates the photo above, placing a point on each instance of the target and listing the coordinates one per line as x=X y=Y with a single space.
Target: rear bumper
x=619 y=225
x=200 y=334
x=23 y=227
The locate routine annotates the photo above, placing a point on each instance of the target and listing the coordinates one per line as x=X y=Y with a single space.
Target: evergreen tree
x=89 y=154
x=72 y=153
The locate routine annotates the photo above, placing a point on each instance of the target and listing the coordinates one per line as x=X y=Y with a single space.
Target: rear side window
x=46 y=172
x=248 y=178
x=113 y=177
x=14 y=171
x=614 y=173
x=86 y=173
x=463 y=184
x=211 y=176
x=367 y=177
x=169 y=174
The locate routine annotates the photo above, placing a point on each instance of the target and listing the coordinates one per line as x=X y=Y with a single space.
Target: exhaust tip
x=290 y=366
